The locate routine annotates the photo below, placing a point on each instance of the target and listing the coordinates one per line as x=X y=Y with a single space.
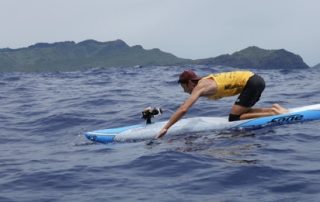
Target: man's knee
x=234 y=117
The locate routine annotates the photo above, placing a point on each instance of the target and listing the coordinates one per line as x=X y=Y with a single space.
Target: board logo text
x=291 y=118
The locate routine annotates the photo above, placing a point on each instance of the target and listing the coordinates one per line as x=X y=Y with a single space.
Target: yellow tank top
x=229 y=83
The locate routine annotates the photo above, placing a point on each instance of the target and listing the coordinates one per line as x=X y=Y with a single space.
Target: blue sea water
x=44 y=155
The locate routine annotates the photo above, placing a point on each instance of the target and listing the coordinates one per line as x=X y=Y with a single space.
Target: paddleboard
x=203 y=124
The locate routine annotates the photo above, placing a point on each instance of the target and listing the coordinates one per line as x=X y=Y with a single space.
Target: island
x=71 y=56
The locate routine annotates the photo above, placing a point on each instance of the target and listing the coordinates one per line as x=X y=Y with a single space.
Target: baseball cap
x=187 y=75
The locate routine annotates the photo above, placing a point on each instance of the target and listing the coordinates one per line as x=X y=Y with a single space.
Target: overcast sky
x=186 y=28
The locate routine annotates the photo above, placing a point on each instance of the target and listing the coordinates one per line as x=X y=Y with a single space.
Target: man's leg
x=249 y=113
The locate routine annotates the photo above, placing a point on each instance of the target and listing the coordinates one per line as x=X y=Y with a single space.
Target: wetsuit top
x=229 y=83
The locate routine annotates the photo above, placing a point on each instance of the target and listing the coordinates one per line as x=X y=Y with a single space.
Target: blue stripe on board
x=290 y=118
x=100 y=138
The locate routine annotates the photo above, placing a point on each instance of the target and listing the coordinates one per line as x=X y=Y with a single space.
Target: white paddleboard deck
x=203 y=124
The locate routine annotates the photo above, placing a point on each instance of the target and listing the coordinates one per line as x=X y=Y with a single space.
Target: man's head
x=188 y=80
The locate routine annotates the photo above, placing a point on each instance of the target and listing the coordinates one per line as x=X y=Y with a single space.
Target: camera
x=150 y=112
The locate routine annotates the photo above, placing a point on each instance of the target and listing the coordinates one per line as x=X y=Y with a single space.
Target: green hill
x=254 y=57
x=69 y=56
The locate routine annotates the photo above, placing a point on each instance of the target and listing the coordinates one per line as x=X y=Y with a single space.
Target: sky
x=193 y=29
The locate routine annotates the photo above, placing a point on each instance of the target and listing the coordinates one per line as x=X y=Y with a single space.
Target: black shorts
x=251 y=92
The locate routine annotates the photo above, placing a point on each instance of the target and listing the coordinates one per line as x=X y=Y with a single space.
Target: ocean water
x=44 y=155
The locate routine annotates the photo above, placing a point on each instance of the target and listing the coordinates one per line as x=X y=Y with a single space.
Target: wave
x=43 y=152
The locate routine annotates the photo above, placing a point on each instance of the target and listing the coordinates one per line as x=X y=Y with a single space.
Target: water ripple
x=45 y=157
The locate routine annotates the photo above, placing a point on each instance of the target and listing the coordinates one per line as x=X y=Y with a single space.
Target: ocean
x=44 y=155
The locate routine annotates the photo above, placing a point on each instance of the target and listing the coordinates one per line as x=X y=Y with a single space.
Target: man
x=215 y=86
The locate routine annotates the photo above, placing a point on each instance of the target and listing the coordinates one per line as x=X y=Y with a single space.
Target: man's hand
x=162 y=132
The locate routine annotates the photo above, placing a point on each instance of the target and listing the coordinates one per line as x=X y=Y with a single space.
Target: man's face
x=187 y=87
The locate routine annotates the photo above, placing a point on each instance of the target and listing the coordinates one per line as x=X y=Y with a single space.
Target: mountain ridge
x=71 y=56
x=255 y=57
